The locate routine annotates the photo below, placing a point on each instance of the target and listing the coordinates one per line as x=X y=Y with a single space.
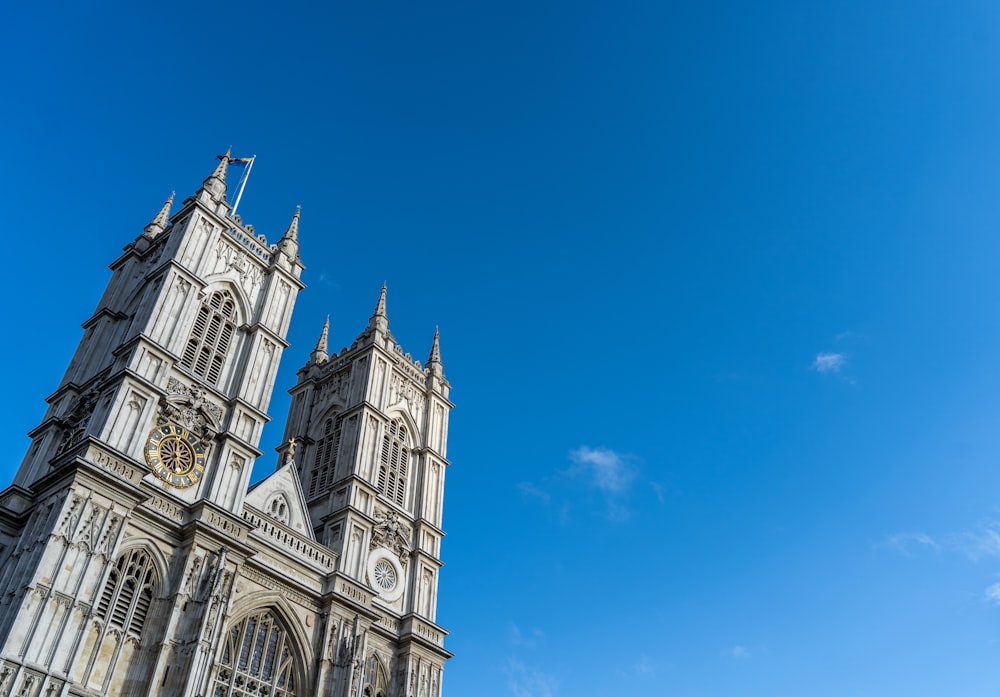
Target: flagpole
x=243 y=183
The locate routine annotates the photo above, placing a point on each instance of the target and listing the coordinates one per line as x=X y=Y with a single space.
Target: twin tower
x=134 y=559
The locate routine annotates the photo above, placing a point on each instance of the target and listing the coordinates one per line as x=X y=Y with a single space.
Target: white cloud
x=529 y=639
x=327 y=281
x=979 y=543
x=531 y=490
x=606 y=470
x=644 y=666
x=741 y=652
x=828 y=362
x=992 y=594
x=906 y=542
x=529 y=681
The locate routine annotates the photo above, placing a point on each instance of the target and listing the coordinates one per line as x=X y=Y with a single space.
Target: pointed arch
x=394 y=459
x=324 y=460
x=375 y=681
x=399 y=411
x=154 y=552
x=243 y=304
x=261 y=648
x=278 y=507
x=133 y=582
x=213 y=333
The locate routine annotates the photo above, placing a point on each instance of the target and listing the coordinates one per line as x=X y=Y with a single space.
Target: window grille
x=325 y=462
x=128 y=592
x=376 y=681
x=214 y=327
x=393 y=462
x=257 y=659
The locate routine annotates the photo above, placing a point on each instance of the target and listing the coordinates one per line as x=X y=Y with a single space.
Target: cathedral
x=135 y=557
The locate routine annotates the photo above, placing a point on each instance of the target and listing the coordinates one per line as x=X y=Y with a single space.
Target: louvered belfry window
x=393 y=462
x=214 y=327
x=326 y=458
x=128 y=592
x=257 y=659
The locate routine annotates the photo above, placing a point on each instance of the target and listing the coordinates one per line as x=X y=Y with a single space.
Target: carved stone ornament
x=189 y=407
x=403 y=390
x=74 y=424
x=389 y=532
x=249 y=274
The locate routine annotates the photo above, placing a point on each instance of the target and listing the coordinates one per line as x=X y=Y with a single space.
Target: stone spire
x=379 y=320
x=435 y=357
x=320 y=354
x=159 y=223
x=434 y=370
x=215 y=185
x=289 y=243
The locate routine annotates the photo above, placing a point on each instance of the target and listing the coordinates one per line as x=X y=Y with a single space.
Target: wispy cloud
x=644 y=666
x=906 y=543
x=606 y=477
x=980 y=542
x=992 y=594
x=829 y=362
x=605 y=469
x=531 y=490
x=740 y=652
x=326 y=280
x=530 y=639
x=529 y=681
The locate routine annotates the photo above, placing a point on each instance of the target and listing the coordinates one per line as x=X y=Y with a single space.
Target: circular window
x=385 y=575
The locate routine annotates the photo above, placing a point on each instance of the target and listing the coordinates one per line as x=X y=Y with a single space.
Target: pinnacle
x=216 y=182
x=292 y=232
x=379 y=320
x=159 y=223
x=435 y=356
x=321 y=354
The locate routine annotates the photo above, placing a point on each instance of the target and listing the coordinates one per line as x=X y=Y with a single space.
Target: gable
x=279 y=496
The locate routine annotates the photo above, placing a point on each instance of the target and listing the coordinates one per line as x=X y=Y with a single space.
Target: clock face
x=176 y=455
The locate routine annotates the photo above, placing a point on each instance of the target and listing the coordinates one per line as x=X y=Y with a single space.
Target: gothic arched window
x=326 y=458
x=393 y=462
x=278 y=509
x=128 y=592
x=208 y=345
x=256 y=659
x=376 y=682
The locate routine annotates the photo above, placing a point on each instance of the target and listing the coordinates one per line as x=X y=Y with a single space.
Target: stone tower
x=134 y=560
x=373 y=425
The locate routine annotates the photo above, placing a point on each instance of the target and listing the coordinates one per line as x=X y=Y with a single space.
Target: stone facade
x=135 y=558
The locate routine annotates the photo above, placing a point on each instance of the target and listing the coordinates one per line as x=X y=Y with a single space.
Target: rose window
x=385 y=575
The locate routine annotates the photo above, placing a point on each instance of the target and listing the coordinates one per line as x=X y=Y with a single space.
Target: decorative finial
x=435 y=356
x=321 y=354
x=216 y=182
x=159 y=223
x=292 y=232
x=289 y=242
x=379 y=320
x=290 y=452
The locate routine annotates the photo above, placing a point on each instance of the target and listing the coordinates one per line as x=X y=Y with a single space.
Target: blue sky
x=717 y=288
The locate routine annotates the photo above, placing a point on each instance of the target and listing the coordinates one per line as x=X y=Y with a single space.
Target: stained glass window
x=257 y=660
